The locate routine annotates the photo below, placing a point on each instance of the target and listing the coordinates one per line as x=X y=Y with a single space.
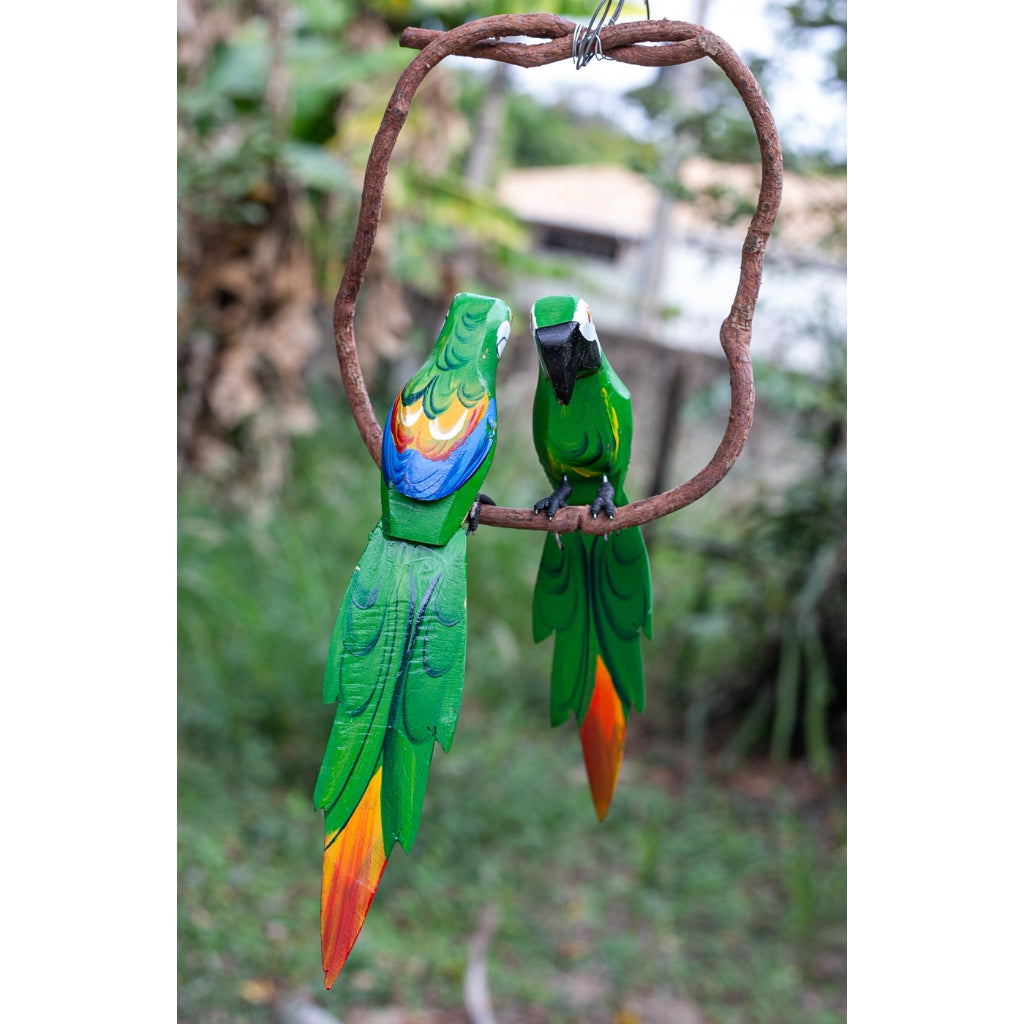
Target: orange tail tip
x=354 y=861
x=603 y=737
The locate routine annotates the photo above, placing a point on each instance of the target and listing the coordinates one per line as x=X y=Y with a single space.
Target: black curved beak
x=560 y=357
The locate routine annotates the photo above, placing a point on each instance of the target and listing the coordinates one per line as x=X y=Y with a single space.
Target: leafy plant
x=751 y=597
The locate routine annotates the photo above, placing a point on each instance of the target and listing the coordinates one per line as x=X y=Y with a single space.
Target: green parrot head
x=465 y=356
x=472 y=337
x=566 y=339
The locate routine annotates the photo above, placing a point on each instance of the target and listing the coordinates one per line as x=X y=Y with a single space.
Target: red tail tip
x=603 y=737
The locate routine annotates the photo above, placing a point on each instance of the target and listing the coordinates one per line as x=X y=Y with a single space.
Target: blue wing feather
x=429 y=479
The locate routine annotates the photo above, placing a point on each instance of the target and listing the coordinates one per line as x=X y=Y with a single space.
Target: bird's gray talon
x=554 y=501
x=473 y=519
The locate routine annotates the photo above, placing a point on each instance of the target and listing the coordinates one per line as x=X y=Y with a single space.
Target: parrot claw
x=604 y=501
x=473 y=519
x=555 y=500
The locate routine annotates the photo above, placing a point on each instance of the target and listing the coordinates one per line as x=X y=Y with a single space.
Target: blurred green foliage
x=808 y=17
x=751 y=596
x=239 y=139
x=233 y=140
x=535 y=134
x=449 y=13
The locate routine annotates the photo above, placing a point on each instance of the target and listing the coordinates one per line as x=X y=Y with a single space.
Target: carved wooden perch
x=675 y=42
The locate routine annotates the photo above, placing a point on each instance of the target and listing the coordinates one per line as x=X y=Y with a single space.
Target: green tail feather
x=395 y=665
x=595 y=596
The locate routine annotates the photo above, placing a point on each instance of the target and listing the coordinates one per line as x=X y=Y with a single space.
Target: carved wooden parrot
x=398 y=650
x=593 y=592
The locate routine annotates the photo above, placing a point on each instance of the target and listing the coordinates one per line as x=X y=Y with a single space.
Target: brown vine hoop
x=678 y=42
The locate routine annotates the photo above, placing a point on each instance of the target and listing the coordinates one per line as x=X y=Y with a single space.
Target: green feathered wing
x=395 y=667
x=594 y=595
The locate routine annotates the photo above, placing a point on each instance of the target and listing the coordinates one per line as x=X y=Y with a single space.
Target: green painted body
x=587 y=439
x=429 y=522
x=397 y=654
x=592 y=592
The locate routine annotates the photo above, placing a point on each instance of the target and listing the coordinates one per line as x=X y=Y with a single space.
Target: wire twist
x=586 y=42
x=678 y=43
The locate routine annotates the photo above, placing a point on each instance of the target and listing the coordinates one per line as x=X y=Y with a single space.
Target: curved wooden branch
x=677 y=42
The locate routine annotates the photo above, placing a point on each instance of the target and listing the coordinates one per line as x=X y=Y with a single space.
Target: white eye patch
x=503 y=332
x=583 y=318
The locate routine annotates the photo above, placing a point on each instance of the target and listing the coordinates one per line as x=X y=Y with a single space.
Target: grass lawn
x=706 y=895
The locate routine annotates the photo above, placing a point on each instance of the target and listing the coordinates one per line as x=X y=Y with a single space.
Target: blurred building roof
x=615 y=201
x=600 y=198
x=675 y=288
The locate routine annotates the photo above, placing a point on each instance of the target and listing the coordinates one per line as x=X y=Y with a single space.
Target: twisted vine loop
x=677 y=42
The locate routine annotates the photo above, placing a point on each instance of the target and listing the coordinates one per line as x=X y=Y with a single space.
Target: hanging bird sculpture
x=398 y=651
x=593 y=591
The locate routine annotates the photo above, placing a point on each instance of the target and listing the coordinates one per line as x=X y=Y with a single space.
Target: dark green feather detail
x=457 y=366
x=395 y=665
x=561 y=606
x=620 y=582
x=595 y=596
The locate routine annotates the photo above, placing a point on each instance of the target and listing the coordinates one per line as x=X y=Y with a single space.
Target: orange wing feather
x=434 y=438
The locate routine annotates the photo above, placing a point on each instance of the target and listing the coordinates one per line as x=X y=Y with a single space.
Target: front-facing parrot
x=397 y=655
x=593 y=592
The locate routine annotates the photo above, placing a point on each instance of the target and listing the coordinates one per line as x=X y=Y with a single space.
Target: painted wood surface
x=397 y=655
x=593 y=592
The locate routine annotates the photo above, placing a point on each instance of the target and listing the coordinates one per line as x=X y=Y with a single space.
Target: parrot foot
x=473 y=519
x=604 y=502
x=555 y=500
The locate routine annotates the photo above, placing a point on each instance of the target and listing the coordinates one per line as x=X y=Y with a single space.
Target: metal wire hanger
x=586 y=42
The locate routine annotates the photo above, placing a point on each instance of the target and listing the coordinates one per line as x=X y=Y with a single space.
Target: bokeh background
x=715 y=889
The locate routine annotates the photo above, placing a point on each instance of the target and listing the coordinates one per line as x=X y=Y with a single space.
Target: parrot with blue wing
x=397 y=654
x=592 y=591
